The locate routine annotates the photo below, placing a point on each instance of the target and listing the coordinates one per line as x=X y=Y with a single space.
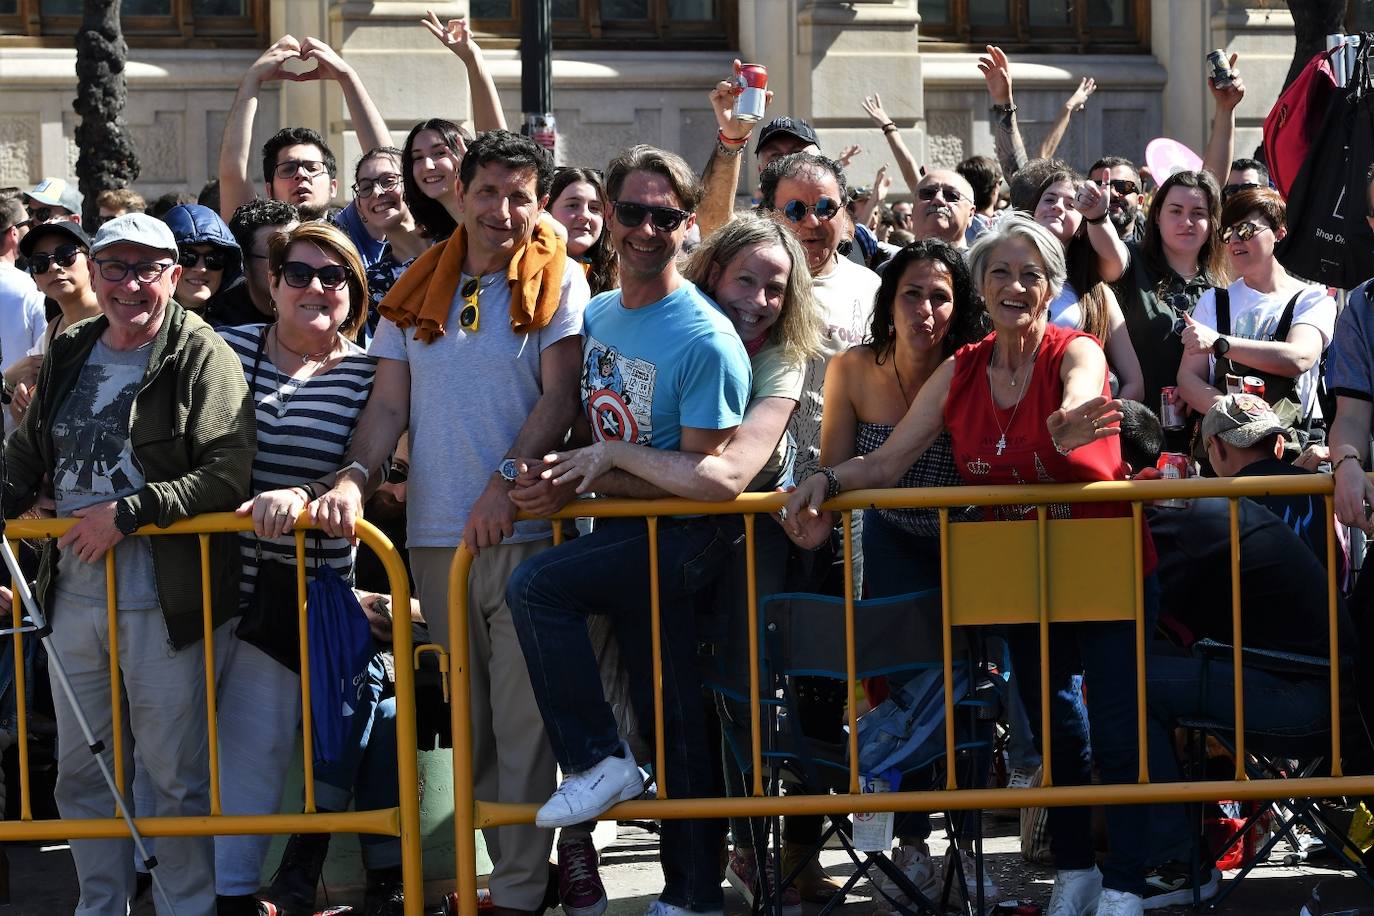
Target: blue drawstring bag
x=340 y=649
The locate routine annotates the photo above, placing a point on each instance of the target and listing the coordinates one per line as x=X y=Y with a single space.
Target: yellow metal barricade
x=402 y=821
x=1049 y=571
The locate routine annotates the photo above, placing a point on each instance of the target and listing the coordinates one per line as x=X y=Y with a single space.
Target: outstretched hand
x=873 y=105
x=996 y=70
x=1086 y=87
x=1084 y=424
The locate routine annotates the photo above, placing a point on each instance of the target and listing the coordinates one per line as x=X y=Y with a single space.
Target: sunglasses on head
x=796 y=210
x=298 y=274
x=214 y=260
x=1244 y=231
x=64 y=256
x=470 y=318
x=951 y=195
x=1124 y=186
x=664 y=219
x=1230 y=189
x=383 y=183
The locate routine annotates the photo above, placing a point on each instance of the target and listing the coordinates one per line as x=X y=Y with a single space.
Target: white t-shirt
x=845 y=300
x=470 y=393
x=1065 y=310
x=22 y=320
x=1256 y=315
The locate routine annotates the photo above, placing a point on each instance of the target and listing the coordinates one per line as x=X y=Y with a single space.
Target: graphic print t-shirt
x=650 y=371
x=95 y=464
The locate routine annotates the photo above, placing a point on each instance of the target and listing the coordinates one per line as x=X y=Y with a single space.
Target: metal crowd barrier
x=402 y=821
x=1034 y=584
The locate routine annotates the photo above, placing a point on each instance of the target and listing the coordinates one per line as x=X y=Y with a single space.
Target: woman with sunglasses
x=309 y=384
x=578 y=201
x=1267 y=323
x=59 y=262
x=1095 y=309
x=1180 y=258
x=379 y=192
x=210 y=259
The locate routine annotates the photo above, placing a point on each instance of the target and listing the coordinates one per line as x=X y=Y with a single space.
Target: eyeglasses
x=313 y=168
x=796 y=210
x=470 y=318
x=298 y=274
x=40 y=215
x=1230 y=189
x=1244 y=231
x=381 y=185
x=951 y=195
x=664 y=219
x=214 y=260
x=64 y=256
x=1124 y=186
x=117 y=271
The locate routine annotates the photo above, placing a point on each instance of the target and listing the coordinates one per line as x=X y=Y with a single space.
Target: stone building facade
x=823 y=56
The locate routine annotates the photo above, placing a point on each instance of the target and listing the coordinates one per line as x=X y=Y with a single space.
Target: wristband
x=1006 y=109
x=1097 y=222
x=729 y=141
x=728 y=150
x=888 y=128
x=832 y=483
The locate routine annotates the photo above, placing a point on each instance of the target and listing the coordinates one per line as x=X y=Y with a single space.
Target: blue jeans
x=1183 y=687
x=366 y=772
x=1104 y=653
x=607 y=572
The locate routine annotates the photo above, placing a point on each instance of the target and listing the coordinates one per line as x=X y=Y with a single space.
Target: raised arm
x=1086 y=87
x=486 y=102
x=1006 y=134
x=235 y=150
x=864 y=210
x=1094 y=201
x=1221 y=144
x=721 y=178
x=906 y=162
x=367 y=120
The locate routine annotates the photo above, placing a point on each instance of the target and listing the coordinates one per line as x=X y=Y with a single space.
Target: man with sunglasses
x=1123 y=207
x=141 y=417
x=53 y=200
x=1244 y=175
x=944 y=207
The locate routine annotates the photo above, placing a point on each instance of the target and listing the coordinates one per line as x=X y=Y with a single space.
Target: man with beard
x=1124 y=210
x=944 y=208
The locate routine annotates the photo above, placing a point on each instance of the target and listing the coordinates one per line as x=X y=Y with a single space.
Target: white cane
x=39 y=625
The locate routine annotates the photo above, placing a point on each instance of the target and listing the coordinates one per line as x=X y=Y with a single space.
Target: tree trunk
x=107 y=156
x=1313 y=20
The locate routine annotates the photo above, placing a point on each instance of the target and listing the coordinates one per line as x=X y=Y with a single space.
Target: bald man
x=944 y=207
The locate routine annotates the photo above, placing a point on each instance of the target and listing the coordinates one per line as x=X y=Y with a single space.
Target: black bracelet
x=888 y=128
x=1097 y=222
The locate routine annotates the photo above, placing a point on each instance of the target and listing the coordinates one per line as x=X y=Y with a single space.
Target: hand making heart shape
x=280 y=61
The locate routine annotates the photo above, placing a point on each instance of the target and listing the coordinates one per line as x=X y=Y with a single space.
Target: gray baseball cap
x=136 y=229
x=57 y=192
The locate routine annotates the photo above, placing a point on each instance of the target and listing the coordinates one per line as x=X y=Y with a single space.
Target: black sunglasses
x=1124 y=186
x=952 y=195
x=40 y=215
x=1230 y=189
x=214 y=260
x=632 y=215
x=64 y=256
x=1244 y=231
x=825 y=209
x=298 y=274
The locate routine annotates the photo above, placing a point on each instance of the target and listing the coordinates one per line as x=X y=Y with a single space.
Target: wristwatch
x=1220 y=347
x=124 y=518
x=356 y=466
x=509 y=469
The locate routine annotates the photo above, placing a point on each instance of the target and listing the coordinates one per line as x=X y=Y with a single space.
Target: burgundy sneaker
x=579 y=883
x=743 y=875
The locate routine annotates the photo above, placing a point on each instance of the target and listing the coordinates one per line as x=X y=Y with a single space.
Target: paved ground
x=44 y=881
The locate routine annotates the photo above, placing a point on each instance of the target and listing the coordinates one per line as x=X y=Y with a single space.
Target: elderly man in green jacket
x=141 y=417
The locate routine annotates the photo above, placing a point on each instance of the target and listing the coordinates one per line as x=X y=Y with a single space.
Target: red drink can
x=1253 y=384
x=1170 y=411
x=1173 y=466
x=753 y=93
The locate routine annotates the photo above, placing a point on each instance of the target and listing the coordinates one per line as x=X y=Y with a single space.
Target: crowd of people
x=478 y=334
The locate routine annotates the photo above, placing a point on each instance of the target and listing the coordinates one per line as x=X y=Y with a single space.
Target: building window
x=146 y=23
x=1079 y=26
x=676 y=24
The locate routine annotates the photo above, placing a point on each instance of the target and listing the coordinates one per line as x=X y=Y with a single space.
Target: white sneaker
x=915 y=862
x=991 y=892
x=1076 y=892
x=659 y=908
x=587 y=795
x=1119 y=903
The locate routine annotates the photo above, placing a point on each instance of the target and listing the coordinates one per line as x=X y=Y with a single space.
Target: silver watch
x=509 y=469
x=356 y=466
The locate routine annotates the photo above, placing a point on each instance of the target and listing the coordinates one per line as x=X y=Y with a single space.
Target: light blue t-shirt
x=650 y=371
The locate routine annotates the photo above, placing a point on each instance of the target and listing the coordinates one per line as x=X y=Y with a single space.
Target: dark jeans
x=1104 y=653
x=1183 y=687
x=607 y=572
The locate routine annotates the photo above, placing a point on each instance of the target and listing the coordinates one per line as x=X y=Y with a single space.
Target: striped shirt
x=303 y=431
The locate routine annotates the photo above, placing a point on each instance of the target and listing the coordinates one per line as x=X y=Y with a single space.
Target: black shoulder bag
x=1277 y=388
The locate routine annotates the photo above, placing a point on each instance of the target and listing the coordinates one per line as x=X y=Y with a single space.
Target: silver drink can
x=1220 y=66
x=1170 y=413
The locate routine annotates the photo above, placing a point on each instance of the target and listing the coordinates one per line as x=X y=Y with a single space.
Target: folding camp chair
x=1267 y=757
x=804 y=635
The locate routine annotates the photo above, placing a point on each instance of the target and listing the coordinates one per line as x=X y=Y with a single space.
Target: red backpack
x=1296 y=119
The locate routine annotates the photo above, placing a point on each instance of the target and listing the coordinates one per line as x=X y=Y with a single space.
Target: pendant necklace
x=901 y=386
x=1002 y=430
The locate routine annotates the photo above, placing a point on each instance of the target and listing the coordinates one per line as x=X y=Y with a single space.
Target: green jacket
x=194 y=436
